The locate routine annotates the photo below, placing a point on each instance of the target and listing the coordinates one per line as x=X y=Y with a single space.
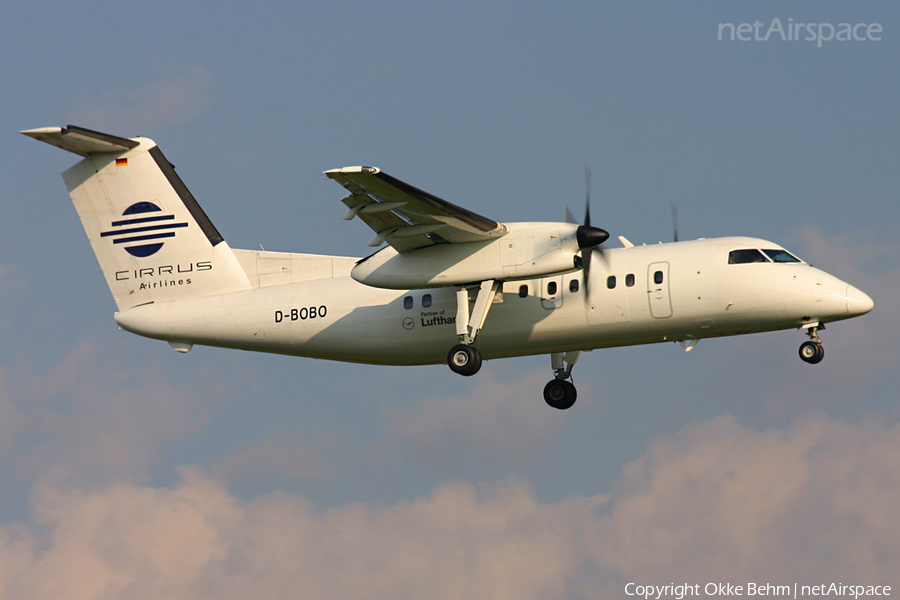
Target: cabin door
x=658 y=290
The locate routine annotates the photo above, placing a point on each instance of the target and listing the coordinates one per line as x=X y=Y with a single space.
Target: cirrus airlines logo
x=143 y=233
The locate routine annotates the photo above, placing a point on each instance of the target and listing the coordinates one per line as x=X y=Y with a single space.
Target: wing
x=406 y=217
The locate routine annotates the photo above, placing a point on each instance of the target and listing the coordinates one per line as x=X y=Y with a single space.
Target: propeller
x=675 y=221
x=588 y=237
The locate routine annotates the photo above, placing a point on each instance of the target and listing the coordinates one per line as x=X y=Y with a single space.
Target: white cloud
x=177 y=94
x=724 y=501
x=854 y=257
x=717 y=502
x=497 y=421
x=13 y=422
x=279 y=455
x=90 y=419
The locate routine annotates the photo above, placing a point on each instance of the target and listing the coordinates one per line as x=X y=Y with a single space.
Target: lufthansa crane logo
x=140 y=235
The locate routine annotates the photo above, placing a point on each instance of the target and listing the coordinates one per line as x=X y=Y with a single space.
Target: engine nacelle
x=527 y=251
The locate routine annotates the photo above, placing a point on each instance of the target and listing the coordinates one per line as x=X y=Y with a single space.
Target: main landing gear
x=464 y=358
x=812 y=351
x=560 y=392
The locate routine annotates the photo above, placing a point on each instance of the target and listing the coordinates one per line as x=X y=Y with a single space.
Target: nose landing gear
x=560 y=393
x=812 y=351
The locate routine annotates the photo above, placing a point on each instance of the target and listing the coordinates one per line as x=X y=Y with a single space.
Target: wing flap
x=405 y=216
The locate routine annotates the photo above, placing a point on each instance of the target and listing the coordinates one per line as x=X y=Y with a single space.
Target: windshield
x=751 y=255
x=781 y=256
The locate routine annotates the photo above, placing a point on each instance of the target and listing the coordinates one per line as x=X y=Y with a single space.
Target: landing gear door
x=658 y=290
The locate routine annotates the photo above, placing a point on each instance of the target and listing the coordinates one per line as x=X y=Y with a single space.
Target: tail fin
x=152 y=239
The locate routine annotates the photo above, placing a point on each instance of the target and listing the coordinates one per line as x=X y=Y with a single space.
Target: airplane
x=444 y=285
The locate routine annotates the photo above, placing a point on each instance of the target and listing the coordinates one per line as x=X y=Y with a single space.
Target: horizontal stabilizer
x=80 y=140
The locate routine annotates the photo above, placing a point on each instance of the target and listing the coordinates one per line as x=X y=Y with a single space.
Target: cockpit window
x=781 y=256
x=751 y=255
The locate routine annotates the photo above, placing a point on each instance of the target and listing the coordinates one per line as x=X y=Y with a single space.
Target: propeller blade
x=587 y=195
x=570 y=218
x=675 y=221
x=588 y=236
x=586 y=271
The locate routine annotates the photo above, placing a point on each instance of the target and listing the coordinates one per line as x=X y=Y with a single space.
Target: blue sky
x=131 y=471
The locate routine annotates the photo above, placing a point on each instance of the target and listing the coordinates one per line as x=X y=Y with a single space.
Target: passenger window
x=523 y=291
x=611 y=281
x=426 y=301
x=658 y=277
x=408 y=302
x=573 y=286
x=551 y=288
x=629 y=280
x=740 y=257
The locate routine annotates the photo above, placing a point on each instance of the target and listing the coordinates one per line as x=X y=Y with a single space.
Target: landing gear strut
x=464 y=358
x=560 y=393
x=812 y=351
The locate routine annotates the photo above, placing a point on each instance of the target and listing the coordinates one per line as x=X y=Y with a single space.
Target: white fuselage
x=450 y=284
x=665 y=292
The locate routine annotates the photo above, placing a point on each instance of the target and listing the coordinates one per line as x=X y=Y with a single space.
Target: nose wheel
x=812 y=351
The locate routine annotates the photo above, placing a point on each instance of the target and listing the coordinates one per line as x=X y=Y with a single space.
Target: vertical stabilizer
x=152 y=240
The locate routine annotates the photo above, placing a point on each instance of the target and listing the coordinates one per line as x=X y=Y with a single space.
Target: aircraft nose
x=858 y=302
